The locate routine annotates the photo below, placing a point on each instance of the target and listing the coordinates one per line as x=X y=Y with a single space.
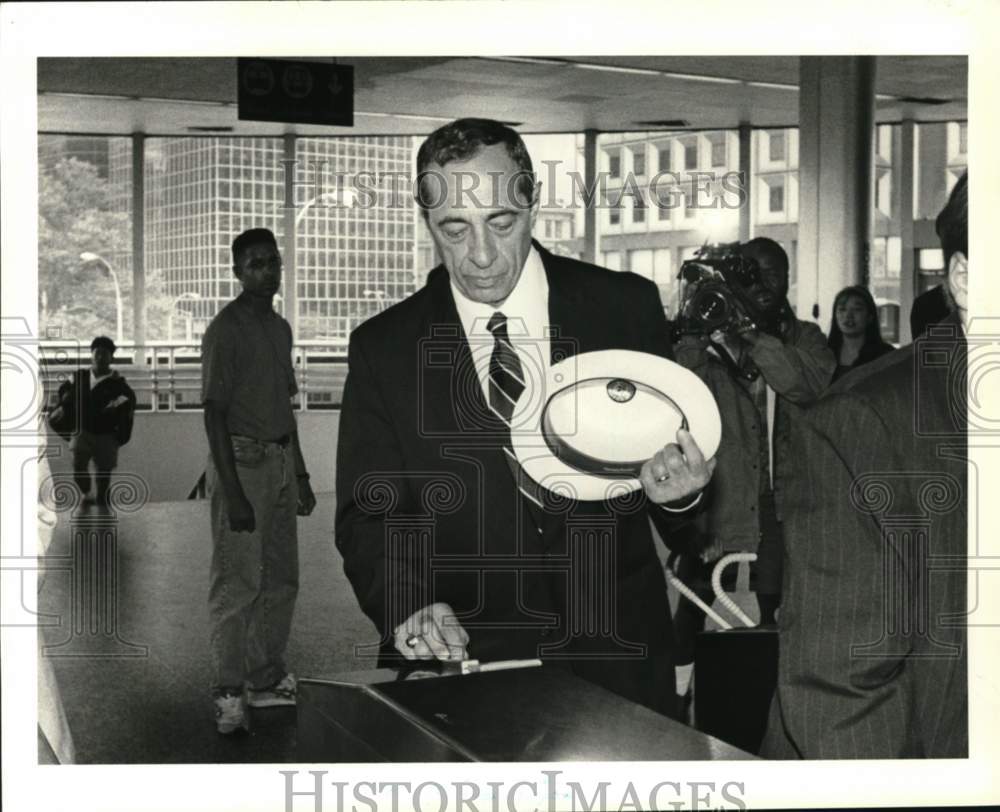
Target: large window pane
x=940 y=158
x=673 y=208
x=775 y=165
x=84 y=237
x=558 y=162
x=355 y=187
x=200 y=193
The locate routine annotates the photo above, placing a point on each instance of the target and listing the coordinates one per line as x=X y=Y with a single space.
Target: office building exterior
x=688 y=202
x=663 y=195
x=352 y=255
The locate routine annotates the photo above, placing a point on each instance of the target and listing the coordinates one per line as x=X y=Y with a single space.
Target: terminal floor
x=138 y=691
x=155 y=708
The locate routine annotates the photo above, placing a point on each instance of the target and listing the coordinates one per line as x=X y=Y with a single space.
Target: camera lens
x=711 y=307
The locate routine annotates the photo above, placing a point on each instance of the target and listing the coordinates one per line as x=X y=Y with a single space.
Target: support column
x=932 y=184
x=590 y=182
x=908 y=266
x=746 y=174
x=138 y=241
x=836 y=127
x=288 y=253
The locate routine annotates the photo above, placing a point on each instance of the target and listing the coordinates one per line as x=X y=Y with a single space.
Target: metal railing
x=166 y=376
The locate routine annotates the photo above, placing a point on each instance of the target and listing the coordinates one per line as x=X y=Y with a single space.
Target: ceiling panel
x=557 y=97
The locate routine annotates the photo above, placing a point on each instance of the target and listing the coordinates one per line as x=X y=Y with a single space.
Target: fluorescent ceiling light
x=102 y=96
x=691 y=77
x=120 y=97
x=530 y=60
x=697 y=77
x=198 y=102
x=617 y=68
x=780 y=86
x=410 y=116
x=773 y=86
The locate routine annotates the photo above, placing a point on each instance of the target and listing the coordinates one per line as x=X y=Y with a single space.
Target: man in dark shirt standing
x=258 y=483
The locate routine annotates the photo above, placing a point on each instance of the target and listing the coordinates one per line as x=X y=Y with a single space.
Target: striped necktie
x=506 y=383
x=506 y=377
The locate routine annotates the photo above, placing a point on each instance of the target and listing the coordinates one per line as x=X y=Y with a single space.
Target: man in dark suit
x=451 y=550
x=928 y=308
x=872 y=627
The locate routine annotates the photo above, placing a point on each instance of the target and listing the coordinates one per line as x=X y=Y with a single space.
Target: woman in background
x=854 y=332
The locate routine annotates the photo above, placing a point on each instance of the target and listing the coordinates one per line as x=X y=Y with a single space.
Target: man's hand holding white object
x=676 y=472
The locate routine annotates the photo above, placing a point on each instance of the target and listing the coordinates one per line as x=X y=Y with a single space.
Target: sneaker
x=279 y=694
x=231 y=713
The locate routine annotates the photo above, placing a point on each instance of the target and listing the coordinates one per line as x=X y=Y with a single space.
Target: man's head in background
x=102 y=350
x=257 y=262
x=952 y=228
x=480 y=198
x=769 y=294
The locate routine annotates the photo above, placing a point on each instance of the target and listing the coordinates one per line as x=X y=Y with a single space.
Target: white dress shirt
x=527 y=312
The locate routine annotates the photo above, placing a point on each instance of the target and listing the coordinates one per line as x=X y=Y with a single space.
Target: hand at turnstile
x=432 y=633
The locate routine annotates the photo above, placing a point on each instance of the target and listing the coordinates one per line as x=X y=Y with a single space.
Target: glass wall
x=663 y=194
x=558 y=162
x=200 y=193
x=356 y=238
x=940 y=156
x=84 y=237
x=361 y=244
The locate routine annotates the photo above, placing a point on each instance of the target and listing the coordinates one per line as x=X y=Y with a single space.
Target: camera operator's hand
x=676 y=472
x=689 y=351
x=750 y=334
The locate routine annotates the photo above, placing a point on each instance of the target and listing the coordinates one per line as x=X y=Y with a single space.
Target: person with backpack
x=95 y=413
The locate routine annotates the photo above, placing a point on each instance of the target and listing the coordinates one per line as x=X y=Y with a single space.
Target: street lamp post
x=341 y=198
x=188 y=295
x=377 y=295
x=88 y=257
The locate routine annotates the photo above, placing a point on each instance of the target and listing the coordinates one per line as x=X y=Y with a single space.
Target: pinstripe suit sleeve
x=839 y=696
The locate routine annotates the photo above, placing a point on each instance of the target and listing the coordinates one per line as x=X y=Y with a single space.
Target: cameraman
x=761 y=368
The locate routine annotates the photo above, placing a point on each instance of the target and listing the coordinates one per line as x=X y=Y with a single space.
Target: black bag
x=123 y=433
x=735 y=674
x=735 y=670
x=63 y=418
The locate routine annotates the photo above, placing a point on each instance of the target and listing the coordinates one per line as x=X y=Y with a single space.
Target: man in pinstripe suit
x=872 y=627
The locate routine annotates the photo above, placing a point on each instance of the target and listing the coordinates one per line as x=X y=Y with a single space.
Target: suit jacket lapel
x=461 y=400
x=567 y=309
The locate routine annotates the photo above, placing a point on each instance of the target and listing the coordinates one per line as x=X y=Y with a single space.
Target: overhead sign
x=294 y=92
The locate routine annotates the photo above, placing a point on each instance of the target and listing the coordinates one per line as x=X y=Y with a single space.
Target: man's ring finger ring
x=412 y=640
x=663 y=478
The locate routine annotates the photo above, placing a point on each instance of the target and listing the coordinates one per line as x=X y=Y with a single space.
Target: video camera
x=716 y=292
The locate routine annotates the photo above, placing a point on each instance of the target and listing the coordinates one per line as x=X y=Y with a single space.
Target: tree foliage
x=79 y=211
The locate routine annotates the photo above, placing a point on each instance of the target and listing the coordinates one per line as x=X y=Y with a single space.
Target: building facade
x=354 y=253
x=666 y=194
x=361 y=244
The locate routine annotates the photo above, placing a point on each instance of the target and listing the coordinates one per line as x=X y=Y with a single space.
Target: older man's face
x=482 y=225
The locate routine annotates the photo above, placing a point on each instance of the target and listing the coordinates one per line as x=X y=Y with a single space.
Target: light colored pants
x=254 y=576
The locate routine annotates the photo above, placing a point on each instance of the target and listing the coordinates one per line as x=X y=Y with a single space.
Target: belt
x=282 y=441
